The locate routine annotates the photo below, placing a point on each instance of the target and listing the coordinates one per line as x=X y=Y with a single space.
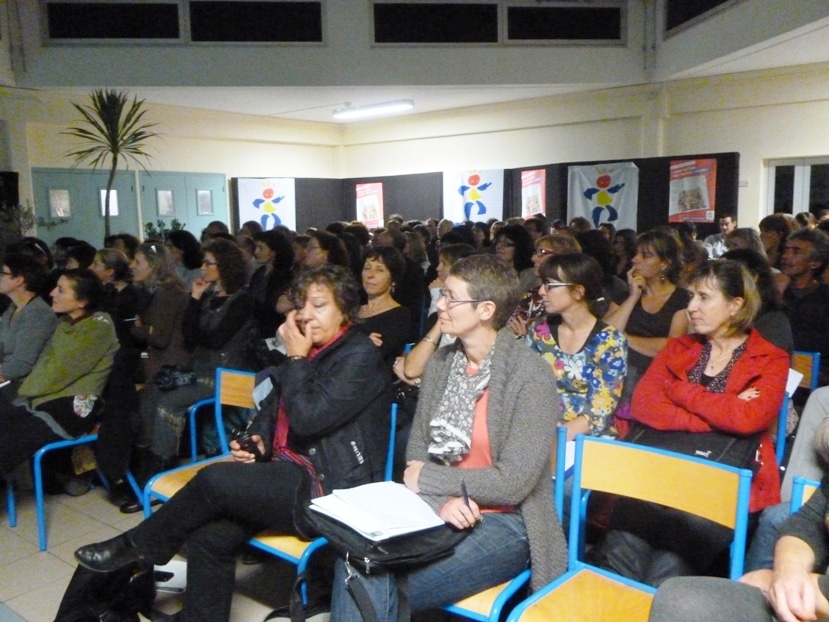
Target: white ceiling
x=804 y=46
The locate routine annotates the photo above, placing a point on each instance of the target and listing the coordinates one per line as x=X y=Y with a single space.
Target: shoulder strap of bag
x=360 y=595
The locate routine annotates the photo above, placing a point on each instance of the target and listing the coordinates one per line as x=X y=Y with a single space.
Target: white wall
x=761 y=115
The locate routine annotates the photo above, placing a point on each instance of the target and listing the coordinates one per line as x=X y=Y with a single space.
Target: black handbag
x=117 y=596
x=397 y=553
x=698 y=541
x=737 y=451
x=400 y=553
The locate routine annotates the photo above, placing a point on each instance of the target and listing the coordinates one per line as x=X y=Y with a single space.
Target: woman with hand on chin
x=655 y=307
x=323 y=426
x=482 y=425
x=214 y=326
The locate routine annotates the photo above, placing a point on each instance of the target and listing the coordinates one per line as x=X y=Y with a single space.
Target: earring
x=662 y=277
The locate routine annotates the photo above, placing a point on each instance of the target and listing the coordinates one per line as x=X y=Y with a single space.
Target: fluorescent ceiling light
x=351 y=113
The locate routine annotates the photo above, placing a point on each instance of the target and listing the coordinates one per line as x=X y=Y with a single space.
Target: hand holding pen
x=461 y=512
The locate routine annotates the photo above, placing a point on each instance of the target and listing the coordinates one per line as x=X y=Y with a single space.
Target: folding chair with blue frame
x=713 y=491
x=235 y=388
x=487 y=606
x=802 y=491
x=40 y=500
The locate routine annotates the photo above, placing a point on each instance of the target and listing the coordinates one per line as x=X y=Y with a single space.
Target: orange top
x=479 y=455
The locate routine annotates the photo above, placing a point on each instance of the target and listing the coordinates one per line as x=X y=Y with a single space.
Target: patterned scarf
x=451 y=426
x=281 y=452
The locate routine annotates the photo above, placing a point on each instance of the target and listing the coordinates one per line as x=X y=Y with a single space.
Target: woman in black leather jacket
x=323 y=425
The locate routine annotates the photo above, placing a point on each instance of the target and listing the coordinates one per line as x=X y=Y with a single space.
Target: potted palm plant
x=112 y=130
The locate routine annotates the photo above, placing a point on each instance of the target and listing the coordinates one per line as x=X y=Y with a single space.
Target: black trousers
x=21 y=435
x=222 y=507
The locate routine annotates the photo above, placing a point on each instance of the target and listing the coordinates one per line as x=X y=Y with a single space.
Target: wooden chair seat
x=290 y=545
x=610 y=601
x=169 y=483
x=481 y=603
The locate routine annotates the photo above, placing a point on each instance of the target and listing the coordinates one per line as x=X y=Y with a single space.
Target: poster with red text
x=693 y=190
x=370 y=205
x=533 y=192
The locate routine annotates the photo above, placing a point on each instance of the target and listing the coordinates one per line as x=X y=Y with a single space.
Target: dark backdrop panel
x=654 y=189
x=9 y=188
x=415 y=197
x=318 y=202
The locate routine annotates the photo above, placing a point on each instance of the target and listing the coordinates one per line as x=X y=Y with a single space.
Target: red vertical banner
x=533 y=192
x=370 y=205
x=693 y=190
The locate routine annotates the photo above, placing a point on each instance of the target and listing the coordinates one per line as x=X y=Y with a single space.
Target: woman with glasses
x=215 y=326
x=61 y=397
x=531 y=306
x=28 y=322
x=588 y=357
x=515 y=247
x=482 y=427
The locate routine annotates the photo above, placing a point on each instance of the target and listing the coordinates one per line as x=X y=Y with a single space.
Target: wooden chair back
x=235 y=388
x=808 y=364
x=707 y=489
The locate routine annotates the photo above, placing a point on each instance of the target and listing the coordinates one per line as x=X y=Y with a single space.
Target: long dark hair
x=230 y=263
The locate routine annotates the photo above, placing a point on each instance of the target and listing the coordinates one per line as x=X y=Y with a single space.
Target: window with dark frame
x=112 y=20
x=566 y=23
x=435 y=23
x=290 y=22
x=680 y=12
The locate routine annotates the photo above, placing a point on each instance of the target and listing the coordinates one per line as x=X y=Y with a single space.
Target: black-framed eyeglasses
x=543 y=252
x=551 y=285
x=209 y=263
x=5 y=273
x=451 y=302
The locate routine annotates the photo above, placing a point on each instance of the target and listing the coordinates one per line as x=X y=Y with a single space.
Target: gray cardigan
x=23 y=337
x=521 y=420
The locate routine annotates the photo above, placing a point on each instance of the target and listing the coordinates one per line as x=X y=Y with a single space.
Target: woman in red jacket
x=725 y=378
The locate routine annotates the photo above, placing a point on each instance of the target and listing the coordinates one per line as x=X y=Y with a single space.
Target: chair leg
x=11 y=508
x=40 y=505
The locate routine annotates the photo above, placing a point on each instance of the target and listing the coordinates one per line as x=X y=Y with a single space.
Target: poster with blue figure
x=604 y=193
x=476 y=195
x=270 y=201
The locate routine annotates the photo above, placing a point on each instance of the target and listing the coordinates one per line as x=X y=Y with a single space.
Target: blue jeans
x=496 y=551
x=761 y=552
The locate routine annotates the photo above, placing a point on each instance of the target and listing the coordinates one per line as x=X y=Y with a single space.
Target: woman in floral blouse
x=588 y=357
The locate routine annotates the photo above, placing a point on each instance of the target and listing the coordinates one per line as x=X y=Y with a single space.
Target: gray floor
x=32 y=582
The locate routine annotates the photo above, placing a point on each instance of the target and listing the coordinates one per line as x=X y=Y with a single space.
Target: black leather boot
x=152 y=464
x=110 y=555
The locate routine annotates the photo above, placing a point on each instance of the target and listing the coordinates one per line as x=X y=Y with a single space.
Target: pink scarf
x=280 y=438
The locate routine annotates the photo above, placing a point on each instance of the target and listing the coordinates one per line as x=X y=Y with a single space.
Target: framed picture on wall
x=59 y=204
x=113 y=201
x=204 y=202
x=164 y=201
